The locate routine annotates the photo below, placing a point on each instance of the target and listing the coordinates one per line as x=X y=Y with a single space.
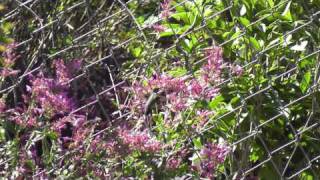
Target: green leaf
x=286 y=13
x=306 y=62
x=306 y=176
x=171 y=30
x=254 y=43
x=2 y=134
x=305 y=81
x=216 y=101
x=235 y=100
x=197 y=142
x=178 y=72
x=271 y=3
x=136 y=52
x=6 y=27
x=182 y=16
x=244 y=21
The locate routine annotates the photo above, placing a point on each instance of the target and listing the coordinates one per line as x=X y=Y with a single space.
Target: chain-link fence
x=270 y=113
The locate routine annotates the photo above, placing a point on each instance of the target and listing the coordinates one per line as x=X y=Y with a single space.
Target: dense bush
x=159 y=89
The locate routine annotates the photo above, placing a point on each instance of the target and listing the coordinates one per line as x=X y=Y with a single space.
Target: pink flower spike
x=9 y=55
x=2 y=105
x=139 y=141
x=165 y=6
x=8 y=72
x=237 y=70
x=158 y=28
x=212 y=155
x=173 y=163
x=195 y=88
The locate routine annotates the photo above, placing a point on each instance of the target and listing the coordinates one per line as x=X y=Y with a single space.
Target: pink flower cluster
x=23 y=116
x=211 y=156
x=203 y=116
x=237 y=70
x=180 y=92
x=2 y=105
x=174 y=88
x=46 y=97
x=64 y=71
x=9 y=59
x=211 y=72
x=52 y=94
x=139 y=141
x=175 y=161
x=158 y=28
x=165 y=6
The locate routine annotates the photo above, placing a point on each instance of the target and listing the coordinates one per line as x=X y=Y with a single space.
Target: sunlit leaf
x=300 y=47
x=305 y=81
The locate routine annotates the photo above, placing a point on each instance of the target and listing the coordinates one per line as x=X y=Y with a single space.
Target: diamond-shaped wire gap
x=254 y=119
x=248 y=157
x=98 y=35
x=283 y=156
x=271 y=119
x=93 y=19
x=307 y=166
x=290 y=122
x=262 y=157
x=289 y=158
x=262 y=161
x=309 y=137
x=292 y=146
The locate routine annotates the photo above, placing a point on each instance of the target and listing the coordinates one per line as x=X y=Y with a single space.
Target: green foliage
x=259 y=111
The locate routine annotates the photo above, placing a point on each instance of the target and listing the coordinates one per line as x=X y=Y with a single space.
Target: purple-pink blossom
x=211 y=72
x=2 y=105
x=65 y=71
x=9 y=59
x=139 y=141
x=203 y=116
x=5 y=72
x=237 y=70
x=195 y=88
x=158 y=28
x=167 y=83
x=9 y=55
x=165 y=6
x=62 y=72
x=173 y=163
x=211 y=156
x=51 y=95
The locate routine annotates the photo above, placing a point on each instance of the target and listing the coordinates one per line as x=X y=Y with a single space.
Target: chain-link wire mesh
x=267 y=117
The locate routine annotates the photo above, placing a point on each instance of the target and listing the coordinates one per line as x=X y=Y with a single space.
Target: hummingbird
x=154 y=95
